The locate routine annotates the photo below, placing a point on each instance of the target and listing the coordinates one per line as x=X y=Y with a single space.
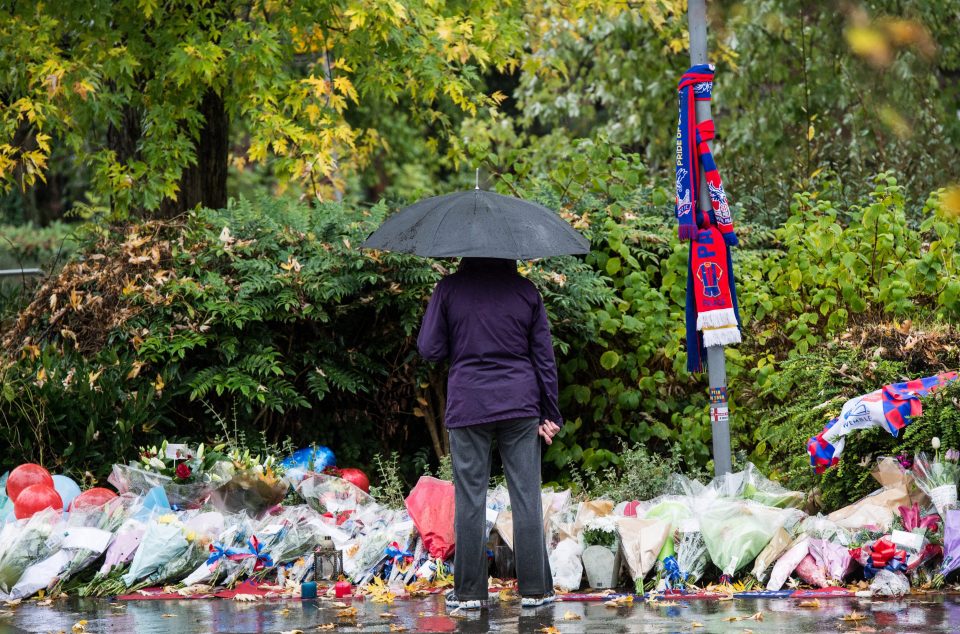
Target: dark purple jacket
x=491 y=324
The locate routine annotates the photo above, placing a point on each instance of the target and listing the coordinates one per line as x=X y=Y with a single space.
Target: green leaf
x=609 y=360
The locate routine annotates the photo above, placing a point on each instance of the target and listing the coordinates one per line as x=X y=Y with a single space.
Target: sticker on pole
x=720 y=414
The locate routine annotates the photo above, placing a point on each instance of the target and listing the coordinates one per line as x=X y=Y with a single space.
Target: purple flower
x=953 y=455
x=905 y=461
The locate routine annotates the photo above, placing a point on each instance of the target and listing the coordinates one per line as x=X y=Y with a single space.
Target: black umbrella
x=478 y=224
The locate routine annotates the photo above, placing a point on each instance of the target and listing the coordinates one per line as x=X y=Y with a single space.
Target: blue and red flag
x=892 y=408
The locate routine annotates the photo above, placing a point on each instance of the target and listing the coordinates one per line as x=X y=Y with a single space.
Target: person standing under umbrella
x=491 y=325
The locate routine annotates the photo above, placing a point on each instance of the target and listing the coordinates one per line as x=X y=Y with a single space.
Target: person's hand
x=548 y=429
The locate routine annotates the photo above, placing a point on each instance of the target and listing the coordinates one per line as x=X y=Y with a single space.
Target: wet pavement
x=915 y=614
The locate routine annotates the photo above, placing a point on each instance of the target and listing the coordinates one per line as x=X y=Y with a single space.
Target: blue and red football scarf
x=892 y=408
x=712 y=312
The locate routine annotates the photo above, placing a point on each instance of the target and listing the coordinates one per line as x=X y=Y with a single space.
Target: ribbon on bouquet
x=712 y=314
x=254 y=549
x=883 y=555
x=675 y=578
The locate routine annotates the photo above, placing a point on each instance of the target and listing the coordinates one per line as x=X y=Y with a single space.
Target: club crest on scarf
x=684 y=205
x=712 y=312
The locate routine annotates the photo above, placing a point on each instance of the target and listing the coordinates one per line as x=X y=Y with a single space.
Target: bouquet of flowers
x=23 y=543
x=187 y=476
x=735 y=531
x=74 y=545
x=108 y=580
x=199 y=531
x=690 y=561
x=938 y=478
x=163 y=540
x=228 y=547
x=252 y=484
x=600 y=531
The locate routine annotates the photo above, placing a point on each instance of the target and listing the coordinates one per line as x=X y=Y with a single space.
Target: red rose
x=183 y=471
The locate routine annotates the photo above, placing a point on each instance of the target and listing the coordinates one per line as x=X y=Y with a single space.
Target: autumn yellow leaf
x=854 y=616
x=347 y=613
x=327 y=626
x=815 y=603
x=696 y=624
x=549 y=629
x=79 y=627
x=571 y=616
x=397 y=628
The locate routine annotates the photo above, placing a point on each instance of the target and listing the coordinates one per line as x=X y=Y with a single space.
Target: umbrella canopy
x=478 y=224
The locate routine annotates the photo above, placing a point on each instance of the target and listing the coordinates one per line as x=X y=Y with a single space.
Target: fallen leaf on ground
x=45 y=602
x=570 y=615
x=292 y=632
x=853 y=616
x=387 y=615
x=246 y=597
x=79 y=627
x=549 y=629
x=810 y=604
x=12 y=603
x=167 y=616
x=757 y=616
x=347 y=613
x=507 y=595
x=619 y=602
x=327 y=626
x=338 y=604
x=696 y=624
x=397 y=628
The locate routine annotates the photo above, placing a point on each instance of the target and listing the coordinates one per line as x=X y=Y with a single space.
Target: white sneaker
x=537 y=601
x=450 y=598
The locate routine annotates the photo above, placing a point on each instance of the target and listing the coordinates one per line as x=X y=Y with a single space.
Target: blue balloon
x=67 y=488
x=316 y=459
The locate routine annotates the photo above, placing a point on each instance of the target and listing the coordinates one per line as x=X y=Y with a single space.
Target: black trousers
x=472 y=452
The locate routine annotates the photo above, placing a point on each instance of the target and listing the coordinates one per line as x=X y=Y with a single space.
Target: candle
x=342 y=589
x=308 y=590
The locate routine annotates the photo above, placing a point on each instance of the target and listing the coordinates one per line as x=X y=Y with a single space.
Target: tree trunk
x=205 y=183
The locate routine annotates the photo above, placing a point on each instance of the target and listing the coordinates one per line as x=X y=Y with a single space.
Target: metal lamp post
x=716 y=361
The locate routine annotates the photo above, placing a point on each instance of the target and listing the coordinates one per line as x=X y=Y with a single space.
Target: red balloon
x=26 y=475
x=92 y=498
x=36 y=498
x=356 y=477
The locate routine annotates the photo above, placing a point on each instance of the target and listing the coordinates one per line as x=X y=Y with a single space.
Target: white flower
x=606 y=524
x=156 y=463
x=935 y=443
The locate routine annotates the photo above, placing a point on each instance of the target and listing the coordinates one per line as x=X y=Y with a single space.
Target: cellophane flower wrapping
x=691 y=552
x=951 y=542
x=83 y=538
x=829 y=547
x=23 y=543
x=334 y=497
x=762 y=490
x=771 y=553
x=938 y=479
x=788 y=562
x=199 y=529
x=130 y=478
x=673 y=509
x=234 y=536
x=249 y=491
x=811 y=572
x=163 y=541
x=735 y=531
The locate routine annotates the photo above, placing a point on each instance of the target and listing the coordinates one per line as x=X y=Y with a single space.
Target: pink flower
x=183 y=471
